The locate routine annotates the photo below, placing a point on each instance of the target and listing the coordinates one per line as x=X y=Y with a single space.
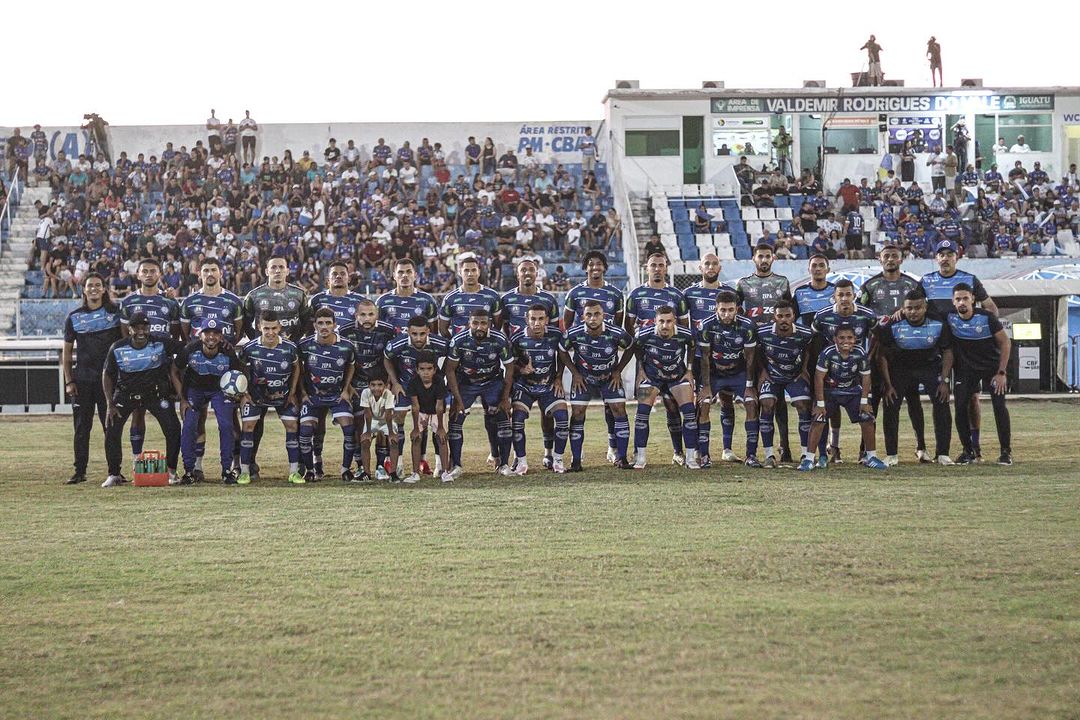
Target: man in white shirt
x=936 y=163
x=213 y=132
x=351 y=152
x=407 y=176
x=1000 y=147
x=1020 y=146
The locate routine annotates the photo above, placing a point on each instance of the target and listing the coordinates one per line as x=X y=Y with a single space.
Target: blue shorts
x=601 y=390
x=664 y=386
x=734 y=385
x=489 y=393
x=544 y=399
x=850 y=403
x=312 y=410
x=796 y=389
x=256 y=411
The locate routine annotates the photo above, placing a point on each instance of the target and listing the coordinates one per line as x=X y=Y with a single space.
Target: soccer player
x=163 y=315
x=479 y=365
x=596 y=287
x=327 y=363
x=375 y=423
x=290 y=305
x=641 y=307
x=758 y=294
x=369 y=337
x=727 y=342
x=538 y=378
x=665 y=354
x=91 y=329
x=842 y=380
x=592 y=355
x=273 y=369
x=196 y=378
x=136 y=376
x=885 y=294
x=783 y=352
x=405 y=301
x=701 y=304
x=816 y=294
x=454 y=316
x=516 y=305
x=980 y=352
x=400 y=360
x=939 y=286
x=210 y=302
x=427 y=394
x=909 y=357
x=337 y=295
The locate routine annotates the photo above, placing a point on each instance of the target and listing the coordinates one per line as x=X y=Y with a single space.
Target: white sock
x=556 y=456
x=802 y=448
x=294 y=467
x=871 y=454
x=317 y=459
x=768 y=452
x=245 y=468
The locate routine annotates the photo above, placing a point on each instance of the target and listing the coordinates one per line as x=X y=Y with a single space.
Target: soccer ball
x=234 y=383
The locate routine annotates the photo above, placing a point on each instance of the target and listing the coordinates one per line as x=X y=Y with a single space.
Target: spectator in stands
x=907 y=162
x=702 y=220
x=654 y=246
x=1020 y=146
x=723 y=150
x=558 y=280
x=587 y=146
x=873 y=59
x=487 y=158
x=951 y=163
x=848 y=195
x=508 y=166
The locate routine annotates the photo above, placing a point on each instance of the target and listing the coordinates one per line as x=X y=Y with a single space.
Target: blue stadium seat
x=689 y=253
x=801 y=252
x=742 y=253
x=683 y=227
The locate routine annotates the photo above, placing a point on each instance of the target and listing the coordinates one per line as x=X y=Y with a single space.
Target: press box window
x=644 y=143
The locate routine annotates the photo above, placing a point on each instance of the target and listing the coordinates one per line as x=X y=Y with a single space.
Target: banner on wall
x=987 y=101
x=924 y=132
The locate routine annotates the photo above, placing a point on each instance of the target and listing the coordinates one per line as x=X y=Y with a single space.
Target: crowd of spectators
x=1021 y=213
x=216 y=200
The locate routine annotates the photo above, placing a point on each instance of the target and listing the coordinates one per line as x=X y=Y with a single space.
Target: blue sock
x=622 y=435
x=835 y=435
x=727 y=425
x=137 y=436
x=609 y=420
x=549 y=438
x=974 y=438
x=307 y=436
x=292 y=447
x=674 y=428
x=247 y=444
x=823 y=443
x=704 y=429
x=505 y=430
x=577 y=437
x=200 y=448
x=348 y=446
x=456 y=438
x=804 y=428
x=562 y=430
x=689 y=424
x=767 y=428
x=519 y=432
x=641 y=426
x=491 y=425
x=751 y=437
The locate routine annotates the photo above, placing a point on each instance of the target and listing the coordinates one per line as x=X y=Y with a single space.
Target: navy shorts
x=734 y=385
x=850 y=403
x=255 y=411
x=664 y=386
x=796 y=389
x=312 y=410
x=599 y=391
x=545 y=399
x=489 y=393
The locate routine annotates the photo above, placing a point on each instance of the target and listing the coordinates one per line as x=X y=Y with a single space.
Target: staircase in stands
x=24 y=224
x=643 y=221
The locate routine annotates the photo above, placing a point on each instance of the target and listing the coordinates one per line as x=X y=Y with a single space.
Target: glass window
x=1037 y=130
x=643 y=143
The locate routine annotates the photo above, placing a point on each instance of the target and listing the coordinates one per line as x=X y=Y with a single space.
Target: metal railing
x=1074 y=363
x=10 y=198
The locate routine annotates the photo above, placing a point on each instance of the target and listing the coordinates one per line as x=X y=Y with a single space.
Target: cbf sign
x=882 y=104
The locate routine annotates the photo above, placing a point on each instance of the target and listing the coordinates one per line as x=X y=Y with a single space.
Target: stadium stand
x=397 y=201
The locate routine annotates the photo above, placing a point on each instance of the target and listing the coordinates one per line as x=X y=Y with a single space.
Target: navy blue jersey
x=225 y=307
x=145 y=370
x=479 y=360
x=404 y=356
x=200 y=371
x=162 y=312
x=701 y=304
x=665 y=359
x=344 y=306
x=397 y=310
x=783 y=355
x=610 y=299
x=862 y=321
x=92 y=332
x=269 y=370
x=810 y=301
x=540 y=353
x=854 y=223
x=725 y=344
x=516 y=306
x=939 y=290
x=458 y=306
x=973 y=341
x=915 y=349
x=595 y=357
x=323 y=367
x=644 y=301
x=370 y=348
x=843 y=375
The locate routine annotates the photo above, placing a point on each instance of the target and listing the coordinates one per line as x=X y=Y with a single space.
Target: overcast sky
x=168 y=63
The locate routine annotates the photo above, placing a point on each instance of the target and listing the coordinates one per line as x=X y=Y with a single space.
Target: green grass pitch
x=920 y=592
